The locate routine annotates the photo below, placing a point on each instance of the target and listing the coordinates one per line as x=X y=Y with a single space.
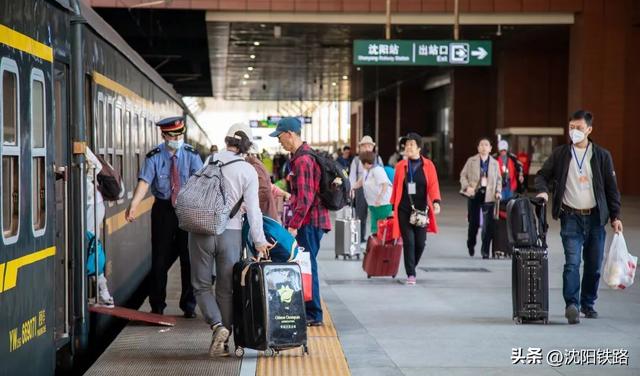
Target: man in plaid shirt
x=310 y=218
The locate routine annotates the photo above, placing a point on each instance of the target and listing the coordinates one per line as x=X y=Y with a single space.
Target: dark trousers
x=309 y=237
x=413 y=242
x=476 y=207
x=362 y=210
x=168 y=243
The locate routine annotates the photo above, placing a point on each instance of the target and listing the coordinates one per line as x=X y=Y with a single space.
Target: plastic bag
x=620 y=265
x=304 y=260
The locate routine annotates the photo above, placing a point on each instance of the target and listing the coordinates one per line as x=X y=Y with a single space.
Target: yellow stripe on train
x=11 y=268
x=26 y=44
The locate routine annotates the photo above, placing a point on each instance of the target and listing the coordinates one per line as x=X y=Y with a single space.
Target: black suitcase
x=522 y=228
x=530 y=284
x=268 y=307
x=530 y=264
x=500 y=245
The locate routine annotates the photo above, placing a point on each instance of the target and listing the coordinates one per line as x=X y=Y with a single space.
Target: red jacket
x=433 y=192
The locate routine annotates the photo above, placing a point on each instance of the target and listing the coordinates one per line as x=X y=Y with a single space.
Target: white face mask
x=576 y=136
x=175 y=144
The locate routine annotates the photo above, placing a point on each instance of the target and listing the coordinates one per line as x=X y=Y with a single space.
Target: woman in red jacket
x=415 y=190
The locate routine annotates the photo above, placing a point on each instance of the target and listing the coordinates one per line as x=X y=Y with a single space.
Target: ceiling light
x=333 y=84
x=252 y=56
x=244 y=82
x=345 y=77
x=256 y=43
x=358 y=69
x=249 y=69
x=246 y=75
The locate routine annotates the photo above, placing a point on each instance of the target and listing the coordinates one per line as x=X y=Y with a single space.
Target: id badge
x=411 y=188
x=583 y=183
x=483 y=181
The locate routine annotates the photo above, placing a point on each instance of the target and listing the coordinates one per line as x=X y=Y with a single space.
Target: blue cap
x=287 y=124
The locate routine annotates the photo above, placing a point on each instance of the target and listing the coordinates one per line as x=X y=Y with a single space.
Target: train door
x=61 y=129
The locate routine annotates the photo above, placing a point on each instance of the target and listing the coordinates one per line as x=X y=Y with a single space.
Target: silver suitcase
x=347 y=235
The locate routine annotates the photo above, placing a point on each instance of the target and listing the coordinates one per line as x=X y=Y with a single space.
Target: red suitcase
x=382 y=259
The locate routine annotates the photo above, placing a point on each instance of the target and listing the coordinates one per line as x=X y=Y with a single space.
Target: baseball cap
x=287 y=124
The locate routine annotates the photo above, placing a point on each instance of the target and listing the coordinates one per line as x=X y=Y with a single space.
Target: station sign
x=422 y=52
x=272 y=121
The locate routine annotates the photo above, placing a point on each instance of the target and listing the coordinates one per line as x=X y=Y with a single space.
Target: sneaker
x=218 y=338
x=589 y=312
x=411 y=280
x=102 y=302
x=572 y=314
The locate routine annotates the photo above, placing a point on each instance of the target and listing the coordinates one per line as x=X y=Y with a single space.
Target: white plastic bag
x=620 y=265
x=304 y=260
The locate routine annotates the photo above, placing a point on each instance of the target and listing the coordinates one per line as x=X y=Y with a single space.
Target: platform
x=455 y=321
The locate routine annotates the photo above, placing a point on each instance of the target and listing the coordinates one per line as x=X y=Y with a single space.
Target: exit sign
x=422 y=52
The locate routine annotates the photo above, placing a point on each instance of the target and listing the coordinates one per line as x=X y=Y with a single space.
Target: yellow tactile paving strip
x=325 y=355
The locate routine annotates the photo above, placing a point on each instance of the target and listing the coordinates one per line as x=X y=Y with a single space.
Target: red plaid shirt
x=304 y=180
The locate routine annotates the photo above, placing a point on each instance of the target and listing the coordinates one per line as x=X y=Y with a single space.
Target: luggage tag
x=411 y=188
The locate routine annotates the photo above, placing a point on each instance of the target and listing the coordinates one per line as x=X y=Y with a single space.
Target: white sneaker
x=218 y=339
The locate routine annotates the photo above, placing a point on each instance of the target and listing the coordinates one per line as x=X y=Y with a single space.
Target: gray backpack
x=202 y=207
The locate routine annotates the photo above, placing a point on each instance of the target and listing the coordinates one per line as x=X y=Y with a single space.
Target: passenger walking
x=167 y=168
x=377 y=189
x=481 y=183
x=356 y=175
x=416 y=201
x=265 y=193
x=213 y=150
x=310 y=218
x=511 y=171
x=225 y=249
x=582 y=178
x=345 y=158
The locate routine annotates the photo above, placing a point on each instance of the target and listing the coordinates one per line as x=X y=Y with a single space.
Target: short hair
x=239 y=140
x=484 y=138
x=583 y=115
x=346 y=148
x=368 y=157
x=213 y=149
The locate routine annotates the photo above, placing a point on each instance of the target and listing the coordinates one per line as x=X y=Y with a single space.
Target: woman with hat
x=356 y=178
x=416 y=200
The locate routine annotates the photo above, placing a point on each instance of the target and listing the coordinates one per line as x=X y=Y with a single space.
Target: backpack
x=334 y=188
x=109 y=181
x=202 y=206
x=526 y=223
x=285 y=247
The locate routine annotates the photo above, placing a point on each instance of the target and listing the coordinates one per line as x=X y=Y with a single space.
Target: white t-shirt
x=579 y=189
x=374 y=180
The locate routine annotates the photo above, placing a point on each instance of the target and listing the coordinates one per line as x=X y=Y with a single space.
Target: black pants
x=168 y=243
x=413 y=239
x=475 y=207
x=362 y=210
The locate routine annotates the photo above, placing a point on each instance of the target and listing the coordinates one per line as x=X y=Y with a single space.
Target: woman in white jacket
x=242 y=182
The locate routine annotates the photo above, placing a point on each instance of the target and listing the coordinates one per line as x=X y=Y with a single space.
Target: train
x=69 y=82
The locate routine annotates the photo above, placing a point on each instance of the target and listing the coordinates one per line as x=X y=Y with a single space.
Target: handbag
x=418 y=218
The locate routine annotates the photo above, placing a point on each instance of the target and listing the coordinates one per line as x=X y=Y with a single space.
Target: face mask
x=576 y=136
x=175 y=144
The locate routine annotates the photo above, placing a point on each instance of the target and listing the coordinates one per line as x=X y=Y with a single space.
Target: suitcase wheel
x=368 y=276
x=518 y=320
x=545 y=320
x=358 y=256
x=393 y=276
x=305 y=348
x=336 y=257
x=239 y=352
x=270 y=353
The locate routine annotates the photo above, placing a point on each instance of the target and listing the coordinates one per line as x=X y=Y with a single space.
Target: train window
x=142 y=137
x=10 y=150
x=109 y=132
x=88 y=100
x=118 y=161
x=37 y=114
x=38 y=152
x=135 y=147
x=118 y=129
x=100 y=126
x=150 y=143
x=9 y=106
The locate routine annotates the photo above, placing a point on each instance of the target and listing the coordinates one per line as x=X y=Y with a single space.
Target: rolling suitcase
x=347 y=235
x=526 y=229
x=268 y=307
x=500 y=245
x=382 y=259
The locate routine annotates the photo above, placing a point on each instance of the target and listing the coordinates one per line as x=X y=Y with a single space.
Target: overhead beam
x=397 y=18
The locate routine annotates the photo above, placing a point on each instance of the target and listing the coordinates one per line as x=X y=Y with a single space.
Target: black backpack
x=526 y=222
x=334 y=187
x=109 y=181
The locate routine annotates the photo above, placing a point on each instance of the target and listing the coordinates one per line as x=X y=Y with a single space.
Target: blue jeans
x=309 y=237
x=581 y=234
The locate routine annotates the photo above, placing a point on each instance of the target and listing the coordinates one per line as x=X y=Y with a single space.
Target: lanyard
x=410 y=172
x=484 y=166
x=581 y=162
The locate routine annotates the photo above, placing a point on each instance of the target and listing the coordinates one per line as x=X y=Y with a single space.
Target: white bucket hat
x=367 y=140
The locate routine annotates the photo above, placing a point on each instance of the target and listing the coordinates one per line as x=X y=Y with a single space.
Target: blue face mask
x=175 y=144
